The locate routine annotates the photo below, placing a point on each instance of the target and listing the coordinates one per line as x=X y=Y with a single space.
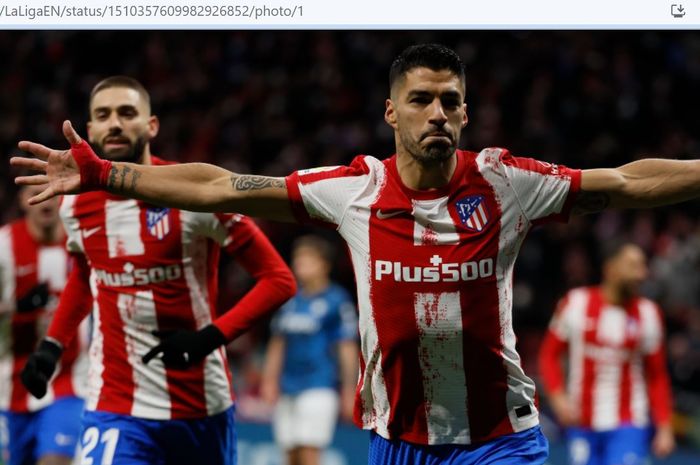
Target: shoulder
x=361 y=165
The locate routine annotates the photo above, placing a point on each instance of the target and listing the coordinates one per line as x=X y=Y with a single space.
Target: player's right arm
x=193 y=186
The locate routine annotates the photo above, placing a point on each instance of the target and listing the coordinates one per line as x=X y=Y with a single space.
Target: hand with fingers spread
x=183 y=348
x=71 y=171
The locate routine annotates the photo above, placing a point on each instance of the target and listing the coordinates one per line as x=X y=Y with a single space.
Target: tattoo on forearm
x=134 y=179
x=112 y=177
x=123 y=175
x=590 y=202
x=246 y=182
x=125 y=171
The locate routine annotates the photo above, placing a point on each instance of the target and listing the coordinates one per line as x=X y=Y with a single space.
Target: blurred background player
x=34 y=267
x=613 y=342
x=313 y=346
x=159 y=385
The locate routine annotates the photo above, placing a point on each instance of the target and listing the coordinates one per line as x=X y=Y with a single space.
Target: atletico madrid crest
x=158 y=221
x=472 y=212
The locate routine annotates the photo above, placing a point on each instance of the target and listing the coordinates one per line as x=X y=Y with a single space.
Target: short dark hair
x=612 y=248
x=432 y=56
x=121 y=81
x=318 y=244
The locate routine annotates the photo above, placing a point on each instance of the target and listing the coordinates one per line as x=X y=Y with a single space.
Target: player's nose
x=437 y=113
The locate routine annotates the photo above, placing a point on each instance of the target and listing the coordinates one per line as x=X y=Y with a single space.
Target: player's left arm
x=275 y=283
x=644 y=183
x=180 y=349
x=658 y=386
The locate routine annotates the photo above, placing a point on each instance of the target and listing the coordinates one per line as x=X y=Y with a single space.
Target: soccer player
x=159 y=385
x=313 y=347
x=433 y=233
x=34 y=267
x=613 y=341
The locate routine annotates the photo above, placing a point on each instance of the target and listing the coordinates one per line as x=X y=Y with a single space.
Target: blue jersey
x=312 y=326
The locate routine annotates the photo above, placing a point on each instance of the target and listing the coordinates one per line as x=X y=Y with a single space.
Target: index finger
x=35 y=149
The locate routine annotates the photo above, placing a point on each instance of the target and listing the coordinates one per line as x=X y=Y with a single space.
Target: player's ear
x=153 y=126
x=390 y=114
x=88 y=127
x=465 y=118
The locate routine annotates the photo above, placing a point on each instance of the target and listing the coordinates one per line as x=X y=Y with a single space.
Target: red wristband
x=93 y=169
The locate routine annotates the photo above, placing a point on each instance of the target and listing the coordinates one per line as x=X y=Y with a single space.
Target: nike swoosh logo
x=384 y=216
x=89 y=232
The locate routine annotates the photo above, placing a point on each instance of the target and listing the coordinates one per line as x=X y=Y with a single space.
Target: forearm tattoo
x=590 y=202
x=128 y=179
x=247 y=182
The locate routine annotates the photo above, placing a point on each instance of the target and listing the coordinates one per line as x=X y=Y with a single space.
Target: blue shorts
x=53 y=430
x=109 y=438
x=627 y=444
x=528 y=447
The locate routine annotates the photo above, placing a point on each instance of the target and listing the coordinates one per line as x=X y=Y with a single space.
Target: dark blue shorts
x=628 y=445
x=528 y=447
x=109 y=439
x=53 y=430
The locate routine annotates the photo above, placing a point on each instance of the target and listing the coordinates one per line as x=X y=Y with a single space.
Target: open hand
x=58 y=170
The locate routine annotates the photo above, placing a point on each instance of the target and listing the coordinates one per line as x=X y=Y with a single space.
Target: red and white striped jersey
x=617 y=369
x=25 y=263
x=434 y=283
x=156 y=268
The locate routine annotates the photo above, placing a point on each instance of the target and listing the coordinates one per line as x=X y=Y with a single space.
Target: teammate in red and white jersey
x=159 y=389
x=433 y=234
x=34 y=267
x=612 y=339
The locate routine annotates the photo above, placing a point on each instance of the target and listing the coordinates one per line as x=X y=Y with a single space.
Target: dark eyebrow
x=119 y=108
x=425 y=93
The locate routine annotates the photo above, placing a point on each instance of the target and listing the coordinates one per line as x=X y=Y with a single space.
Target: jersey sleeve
x=75 y=303
x=321 y=195
x=7 y=282
x=655 y=368
x=274 y=281
x=554 y=346
x=544 y=191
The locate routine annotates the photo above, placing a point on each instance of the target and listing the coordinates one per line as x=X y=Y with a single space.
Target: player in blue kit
x=313 y=345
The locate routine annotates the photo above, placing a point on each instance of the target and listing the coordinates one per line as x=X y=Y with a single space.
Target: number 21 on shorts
x=89 y=441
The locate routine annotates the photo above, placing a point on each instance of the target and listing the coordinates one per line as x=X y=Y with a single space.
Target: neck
x=146 y=159
x=614 y=294
x=47 y=235
x=420 y=176
x=315 y=285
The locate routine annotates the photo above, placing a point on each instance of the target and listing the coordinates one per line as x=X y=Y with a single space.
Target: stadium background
x=271 y=102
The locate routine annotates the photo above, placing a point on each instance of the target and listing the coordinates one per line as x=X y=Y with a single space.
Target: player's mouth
x=437 y=136
x=112 y=143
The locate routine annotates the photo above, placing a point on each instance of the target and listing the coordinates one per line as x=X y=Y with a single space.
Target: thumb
x=152 y=354
x=70 y=134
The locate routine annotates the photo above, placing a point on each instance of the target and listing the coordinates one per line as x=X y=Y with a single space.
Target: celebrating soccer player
x=34 y=268
x=433 y=233
x=159 y=386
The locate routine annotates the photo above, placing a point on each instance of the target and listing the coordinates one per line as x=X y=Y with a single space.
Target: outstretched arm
x=644 y=183
x=191 y=186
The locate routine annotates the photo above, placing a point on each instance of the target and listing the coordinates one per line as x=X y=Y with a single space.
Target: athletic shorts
x=628 y=445
x=306 y=419
x=108 y=438
x=528 y=447
x=53 y=430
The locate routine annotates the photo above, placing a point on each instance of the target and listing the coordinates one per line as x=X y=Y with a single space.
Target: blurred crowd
x=270 y=102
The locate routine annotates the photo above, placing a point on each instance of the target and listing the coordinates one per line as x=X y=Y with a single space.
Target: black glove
x=38 y=297
x=40 y=367
x=182 y=348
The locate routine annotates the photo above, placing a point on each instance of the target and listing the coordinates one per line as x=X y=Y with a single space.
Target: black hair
x=436 y=57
